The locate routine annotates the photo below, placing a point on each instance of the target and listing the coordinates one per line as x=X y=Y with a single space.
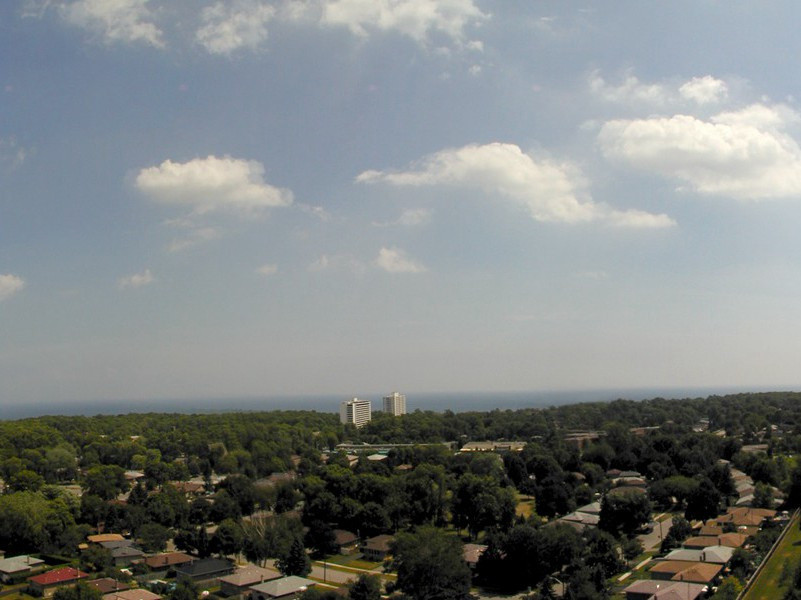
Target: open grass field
x=525 y=506
x=770 y=584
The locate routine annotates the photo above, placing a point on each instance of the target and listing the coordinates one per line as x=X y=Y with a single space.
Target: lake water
x=438 y=401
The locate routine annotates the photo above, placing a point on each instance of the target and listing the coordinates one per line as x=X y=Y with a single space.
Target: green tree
x=228 y=538
x=80 y=591
x=729 y=589
x=365 y=587
x=295 y=561
x=153 y=537
x=430 y=565
x=624 y=511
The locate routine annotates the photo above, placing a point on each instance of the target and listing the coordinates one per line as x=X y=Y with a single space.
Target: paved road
x=330 y=575
x=654 y=539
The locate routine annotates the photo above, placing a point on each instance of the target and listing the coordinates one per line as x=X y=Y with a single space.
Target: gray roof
x=282 y=587
x=593 y=508
x=250 y=576
x=17 y=564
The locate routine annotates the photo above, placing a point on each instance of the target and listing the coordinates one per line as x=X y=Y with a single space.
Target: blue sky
x=202 y=198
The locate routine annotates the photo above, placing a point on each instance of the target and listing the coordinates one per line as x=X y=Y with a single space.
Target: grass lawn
x=525 y=506
x=768 y=586
x=355 y=561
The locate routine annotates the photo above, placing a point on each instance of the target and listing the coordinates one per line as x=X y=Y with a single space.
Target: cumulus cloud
x=114 y=20
x=228 y=27
x=550 y=191
x=744 y=154
x=417 y=19
x=10 y=285
x=699 y=90
x=136 y=280
x=267 y=270
x=212 y=184
x=395 y=260
x=705 y=90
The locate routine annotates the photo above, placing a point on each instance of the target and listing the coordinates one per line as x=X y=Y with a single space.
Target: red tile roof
x=57 y=576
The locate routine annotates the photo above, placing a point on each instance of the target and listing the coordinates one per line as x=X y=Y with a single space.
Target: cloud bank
x=744 y=154
x=550 y=191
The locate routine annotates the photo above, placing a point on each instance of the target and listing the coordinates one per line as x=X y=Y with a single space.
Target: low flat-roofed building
x=19 y=566
x=47 y=583
x=285 y=587
x=243 y=579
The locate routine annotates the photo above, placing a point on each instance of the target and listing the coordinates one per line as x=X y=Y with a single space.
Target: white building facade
x=395 y=404
x=355 y=411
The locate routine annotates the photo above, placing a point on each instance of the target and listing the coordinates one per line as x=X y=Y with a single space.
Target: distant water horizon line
x=457 y=401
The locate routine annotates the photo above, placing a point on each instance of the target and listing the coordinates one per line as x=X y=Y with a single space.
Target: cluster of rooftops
x=690 y=571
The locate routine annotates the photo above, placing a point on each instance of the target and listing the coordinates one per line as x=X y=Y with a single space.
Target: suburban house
x=205 y=569
x=679 y=570
x=107 y=585
x=99 y=538
x=132 y=594
x=285 y=587
x=161 y=563
x=471 y=553
x=732 y=540
x=243 y=579
x=650 y=589
x=346 y=541
x=46 y=583
x=377 y=548
x=19 y=567
x=719 y=555
x=125 y=555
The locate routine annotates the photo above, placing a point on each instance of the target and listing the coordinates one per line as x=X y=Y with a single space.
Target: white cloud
x=395 y=260
x=228 y=27
x=212 y=184
x=704 y=90
x=411 y=217
x=11 y=152
x=418 y=19
x=196 y=236
x=700 y=90
x=630 y=90
x=551 y=192
x=10 y=285
x=267 y=270
x=114 y=20
x=136 y=280
x=337 y=262
x=744 y=154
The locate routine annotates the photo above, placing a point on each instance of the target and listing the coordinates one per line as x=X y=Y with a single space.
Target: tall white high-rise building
x=395 y=404
x=355 y=411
